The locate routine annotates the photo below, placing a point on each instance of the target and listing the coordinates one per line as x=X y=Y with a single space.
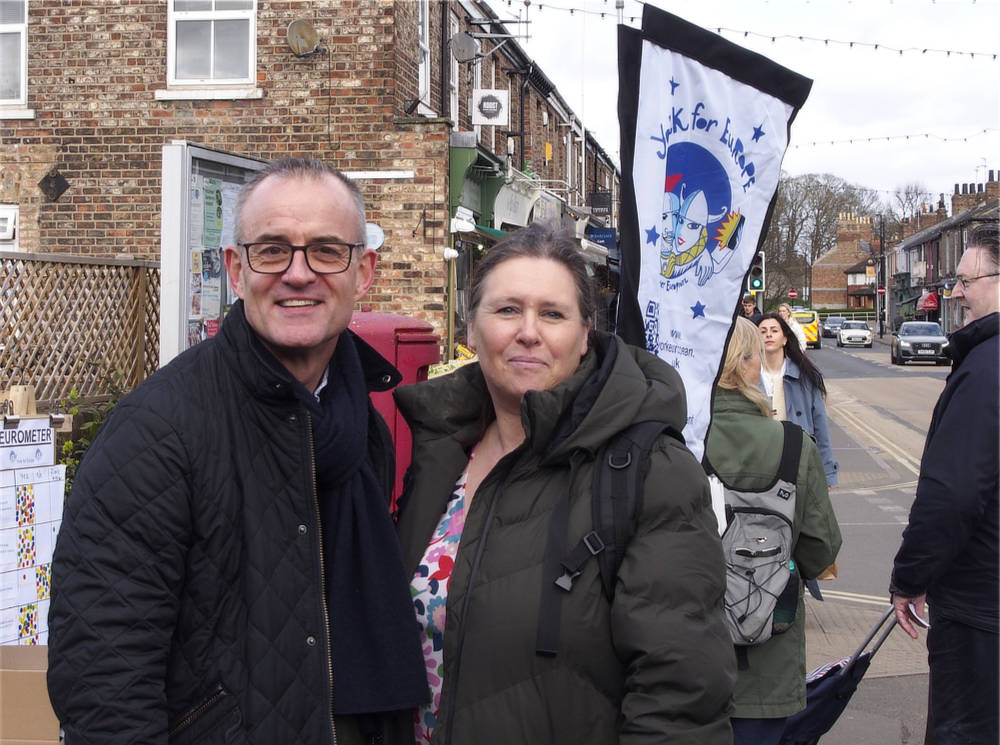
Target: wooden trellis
x=76 y=322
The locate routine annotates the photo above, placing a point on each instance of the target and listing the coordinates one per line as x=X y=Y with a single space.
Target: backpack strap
x=791 y=450
x=619 y=470
x=616 y=498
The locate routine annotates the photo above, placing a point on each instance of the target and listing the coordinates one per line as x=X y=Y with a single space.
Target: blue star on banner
x=758 y=132
x=652 y=235
x=674 y=85
x=698 y=310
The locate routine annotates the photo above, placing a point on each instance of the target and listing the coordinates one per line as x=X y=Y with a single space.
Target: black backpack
x=620 y=468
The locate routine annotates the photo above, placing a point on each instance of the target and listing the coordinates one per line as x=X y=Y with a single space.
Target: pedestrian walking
x=744 y=449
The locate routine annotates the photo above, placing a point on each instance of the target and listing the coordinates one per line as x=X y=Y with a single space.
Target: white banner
x=706 y=157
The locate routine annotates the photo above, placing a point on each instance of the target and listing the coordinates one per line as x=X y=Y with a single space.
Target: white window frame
x=424 y=52
x=174 y=17
x=14 y=108
x=453 y=81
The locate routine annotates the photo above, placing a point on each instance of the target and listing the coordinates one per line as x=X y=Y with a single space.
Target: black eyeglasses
x=966 y=281
x=274 y=257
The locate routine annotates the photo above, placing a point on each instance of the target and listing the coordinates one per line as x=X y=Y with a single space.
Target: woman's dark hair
x=794 y=352
x=538 y=241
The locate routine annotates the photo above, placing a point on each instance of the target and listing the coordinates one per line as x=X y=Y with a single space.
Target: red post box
x=412 y=346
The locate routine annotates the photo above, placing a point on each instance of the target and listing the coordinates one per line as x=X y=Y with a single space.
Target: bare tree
x=804 y=226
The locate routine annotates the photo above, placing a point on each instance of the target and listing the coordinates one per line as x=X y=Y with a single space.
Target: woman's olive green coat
x=654 y=666
x=744 y=448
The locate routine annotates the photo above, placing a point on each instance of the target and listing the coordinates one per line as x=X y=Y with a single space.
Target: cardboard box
x=26 y=716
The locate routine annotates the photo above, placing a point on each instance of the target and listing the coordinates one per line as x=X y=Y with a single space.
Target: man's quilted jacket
x=187 y=581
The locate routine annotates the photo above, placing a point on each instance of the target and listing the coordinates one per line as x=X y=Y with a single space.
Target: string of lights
x=895 y=138
x=722 y=30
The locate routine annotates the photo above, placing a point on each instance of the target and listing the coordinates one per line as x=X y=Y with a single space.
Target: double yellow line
x=853 y=597
x=869 y=434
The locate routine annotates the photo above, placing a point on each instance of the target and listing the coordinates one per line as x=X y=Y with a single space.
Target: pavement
x=890 y=705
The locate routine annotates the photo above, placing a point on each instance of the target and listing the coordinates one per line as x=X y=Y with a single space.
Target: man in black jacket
x=227 y=569
x=949 y=556
x=750 y=309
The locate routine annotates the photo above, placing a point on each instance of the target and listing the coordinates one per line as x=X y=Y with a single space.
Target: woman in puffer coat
x=744 y=449
x=501 y=448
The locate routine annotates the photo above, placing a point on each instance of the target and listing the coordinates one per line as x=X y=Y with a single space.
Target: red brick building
x=381 y=93
x=834 y=273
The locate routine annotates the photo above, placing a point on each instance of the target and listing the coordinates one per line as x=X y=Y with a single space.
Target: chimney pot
x=979 y=188
x=956 y=188
x=991 y=176
x=965 y=188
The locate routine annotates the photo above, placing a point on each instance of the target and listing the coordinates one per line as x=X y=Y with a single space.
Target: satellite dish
x=374 y=236
x=464 y=46
x=302 y=38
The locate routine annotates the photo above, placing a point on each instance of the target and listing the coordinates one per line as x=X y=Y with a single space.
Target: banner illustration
x=704 y=126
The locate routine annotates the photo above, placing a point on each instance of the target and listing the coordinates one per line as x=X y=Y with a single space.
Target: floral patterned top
x=429 y=589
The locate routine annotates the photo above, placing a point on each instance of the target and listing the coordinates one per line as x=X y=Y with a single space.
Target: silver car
x=919 y=340
x=854 y=333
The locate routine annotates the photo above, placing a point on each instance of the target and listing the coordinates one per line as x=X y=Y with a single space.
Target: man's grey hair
x=297 y=168
x=986 y=235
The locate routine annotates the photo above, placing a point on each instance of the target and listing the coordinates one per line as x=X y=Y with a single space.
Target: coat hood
x=615 y=385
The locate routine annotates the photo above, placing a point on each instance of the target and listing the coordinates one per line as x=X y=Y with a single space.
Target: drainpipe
x=445 y=67
x=524 y=87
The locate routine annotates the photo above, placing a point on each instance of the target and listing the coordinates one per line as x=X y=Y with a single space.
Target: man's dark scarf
x=377 y=660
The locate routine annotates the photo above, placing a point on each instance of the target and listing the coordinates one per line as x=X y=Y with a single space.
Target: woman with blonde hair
x=743 y=450
x=741 y=371
x=785 y=311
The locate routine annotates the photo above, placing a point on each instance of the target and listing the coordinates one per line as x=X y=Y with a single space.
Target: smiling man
x=949 y=556
x=227 y=569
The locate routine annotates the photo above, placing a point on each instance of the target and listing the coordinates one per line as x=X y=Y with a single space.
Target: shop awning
x=928 y=301
x=491 y=232
x=595 y=253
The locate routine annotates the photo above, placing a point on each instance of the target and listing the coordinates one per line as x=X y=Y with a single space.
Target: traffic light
x=755 y=279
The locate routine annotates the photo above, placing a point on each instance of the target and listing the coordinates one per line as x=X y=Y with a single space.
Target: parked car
x=809 y=321
x=854 y=333
x=832 y=325
x=919 y=340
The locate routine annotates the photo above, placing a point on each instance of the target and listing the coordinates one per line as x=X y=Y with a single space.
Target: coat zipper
x=322 y=574
x=188 y=719
x=480 y=550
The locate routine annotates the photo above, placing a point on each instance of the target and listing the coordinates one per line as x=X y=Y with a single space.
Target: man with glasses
x=949 y=555
x=227 y=569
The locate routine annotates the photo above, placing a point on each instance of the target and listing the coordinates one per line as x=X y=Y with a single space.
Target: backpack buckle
x=593 y=543
x=565 y=580
x=618 y=462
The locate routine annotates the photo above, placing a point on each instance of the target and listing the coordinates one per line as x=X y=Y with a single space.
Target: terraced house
x=126 y=127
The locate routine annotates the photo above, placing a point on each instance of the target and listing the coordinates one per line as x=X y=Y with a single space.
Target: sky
x=933 y=107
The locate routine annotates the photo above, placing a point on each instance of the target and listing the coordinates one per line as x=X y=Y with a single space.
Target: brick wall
x=829 y=282
x=94 y=67
x=967 y=196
